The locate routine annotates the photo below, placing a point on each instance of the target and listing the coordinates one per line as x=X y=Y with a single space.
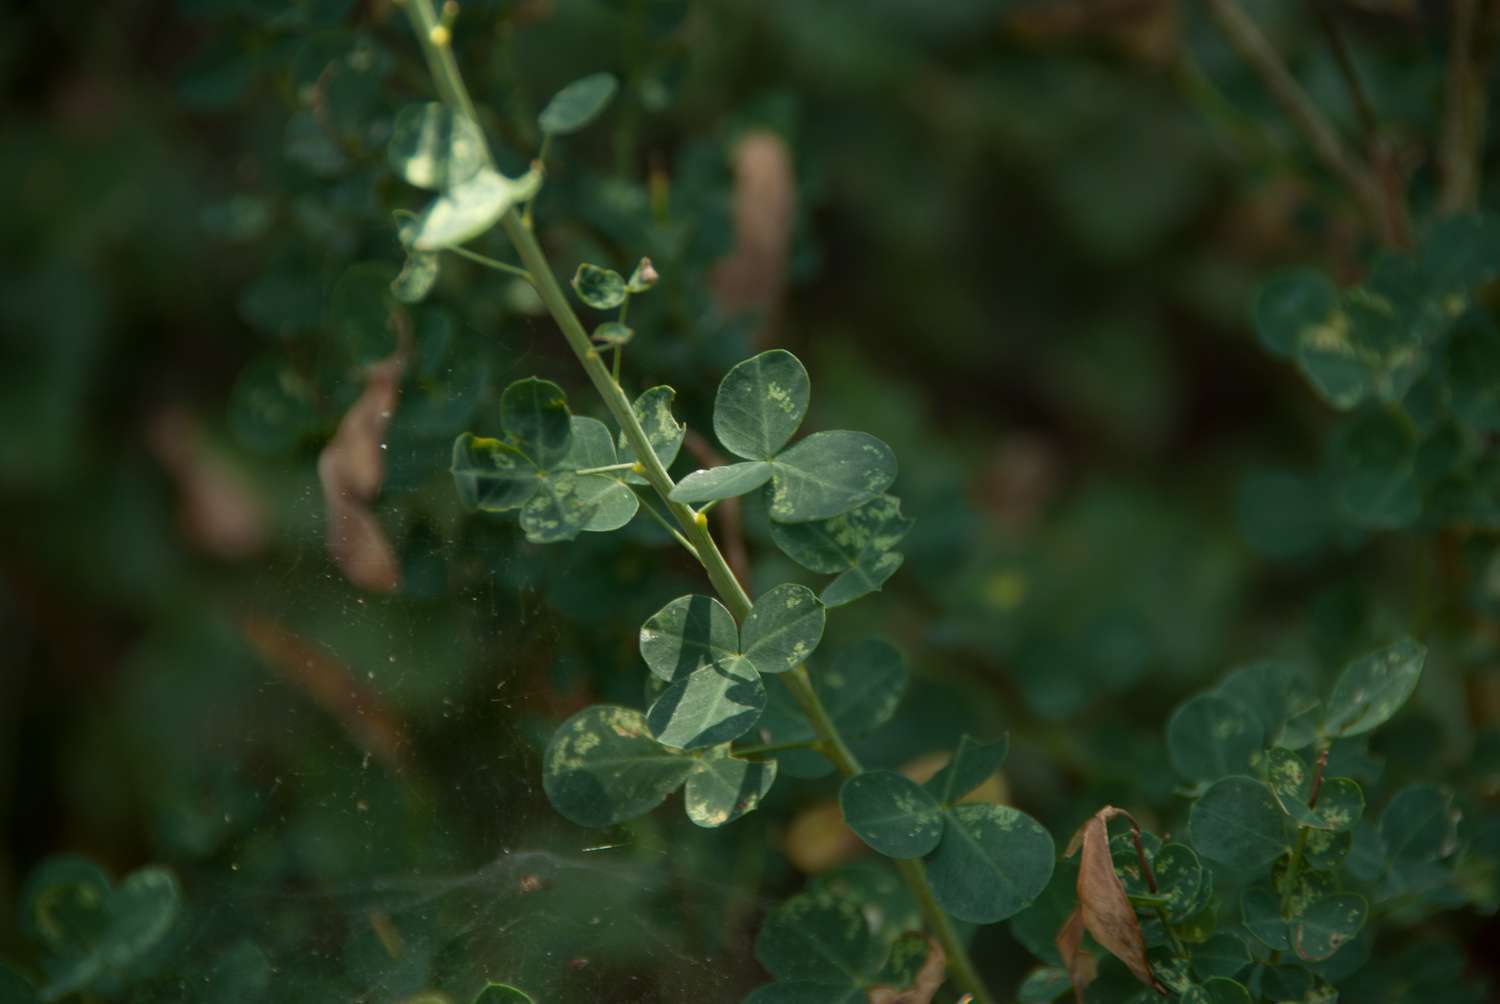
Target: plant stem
x=694 y=528
x=607 y=468
x=1389 y=213
x=1345 y=62
x=774 y=748
x=1471 y=38
x=1290 y=882
x=666 y=525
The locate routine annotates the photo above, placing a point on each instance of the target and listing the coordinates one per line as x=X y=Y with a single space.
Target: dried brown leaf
x=1082 y=967
x=1103 y=906
x=218 y=507
x=929 y=978
x=351 y=469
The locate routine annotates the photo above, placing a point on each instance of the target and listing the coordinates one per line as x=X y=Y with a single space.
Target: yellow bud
x=440 y=35
x=638 y=468
x=701 y=518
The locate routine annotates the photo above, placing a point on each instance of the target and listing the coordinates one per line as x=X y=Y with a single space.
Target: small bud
x=638 y=468
x=440 y=35
x=701 y=518
x=648 y=271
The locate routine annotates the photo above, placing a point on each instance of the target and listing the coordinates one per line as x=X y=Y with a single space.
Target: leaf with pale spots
x=724 y=788
x=891 y=813
x=1341 y=803
x=602 y=767
x=1209 y=737
x=600 y=288
x=688 y=634
x=858 y=546
x=490 y=475
x=435 y=147
x=782 y=629
x=971 y=765
x=760 y=404
x=653 y=409
x=611 y=504
x=417 y=276
x=1327 y=925
x=992 y=862
x=534 y=414
x=1373 y=687
x=829 y=473
x=469 y=208
x=556 y=511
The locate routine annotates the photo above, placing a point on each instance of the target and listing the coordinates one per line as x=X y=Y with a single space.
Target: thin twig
x=1315 y=129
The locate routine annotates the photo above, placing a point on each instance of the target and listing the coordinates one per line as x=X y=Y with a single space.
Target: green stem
x=607 y=468
x=541 y=156
x=801 y=744
x=666 y=525
x=1290 y=882
x=489 y=262
x=694 y=527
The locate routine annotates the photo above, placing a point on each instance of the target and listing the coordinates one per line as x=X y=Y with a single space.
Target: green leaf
x=1044 y=984
x=534 y=413
x=891 y=813
x=783 y=628
x=1327 y=926
x=1237 y=824
x=1288 y=304
x=602 y=767
x=1461 y=252
x=610 y=503
x=1341 y=803
x=760 y=404
x=1418 y=824
x=857 y=545
x=1375 y=459
x=653 y=409
x=724 y=788
x=972 y=764
x=417 y=277
x=1179 y=876
x=502 y=993
x=1216 y=990
x=1373 y=687
x=434 y=147
x=1260 y=909
x=600 y=288
x=362 y=311
x=470 y=208
x=689 y=634
x=992 y=862
x=491 y=476
x=614 y=334
x=725 y=482
x=577 y=104
x=712 y=705
x=829 y=473
x=141 y=912
x=819 y=937
x=1278 y=695
x=807 y=992
x=863 y=687
x=1223 y=955
x=1209 y=737
x=1471 y=368
x=63 y=903
x=556 y=511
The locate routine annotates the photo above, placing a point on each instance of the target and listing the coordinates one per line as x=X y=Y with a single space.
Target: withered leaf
x=923 y=988
x=1103 y=907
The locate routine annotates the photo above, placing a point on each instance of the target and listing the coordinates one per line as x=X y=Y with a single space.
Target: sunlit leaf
x=708 y=706
x=724 y=788
x=829 y=473
x=417 y=277
x=688 y=634
x=760 y=404
x=469 y=208
x=653 y=409
x=782 y=629
x=435 y=147
x=725 y=482
x=602 y=767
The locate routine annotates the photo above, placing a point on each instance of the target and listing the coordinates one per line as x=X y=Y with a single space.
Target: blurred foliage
x=1035 y=247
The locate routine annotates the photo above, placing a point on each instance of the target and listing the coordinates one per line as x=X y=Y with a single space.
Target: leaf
x=1327 y=926
x=1375 y=459
x=1216 y=990
x=62 y=904
x=610 y=503
x=577 y=104
x=725 y=482
x=1209 y=737
x=862 y=688
x=142 y=911
x=417 y=277
x=1179 y=877
x=1237 y=823
x=924 y=984
x=557 y=511
x=724 y=788
x=600 y=288
x=1418 y=824
x=469 y=208
x=1289 y=303
x=782 y=629
x=1461 y=252
x=1223 y=955
x=534 y=413
x=502 y=993
x=829 y=473
x=653 y=409
x=1278 y=695
x=972 y=764
x=613 y=333
x=857 y=545
x=891 y=813
x=760 y=404
x=1341 y=803
x=434 y=147
x=1105 y=910
x=1081 y=965
x=491 y=476
x=708 y=706
x=688 y=634
x=1260 y=908
x=602 y=767
x=992 y=861
x=1373 y=687
x=1043 y=985
x=821 y=938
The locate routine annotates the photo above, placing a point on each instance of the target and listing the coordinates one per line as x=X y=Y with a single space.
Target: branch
x=1471 y=44
x=1386 y=209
